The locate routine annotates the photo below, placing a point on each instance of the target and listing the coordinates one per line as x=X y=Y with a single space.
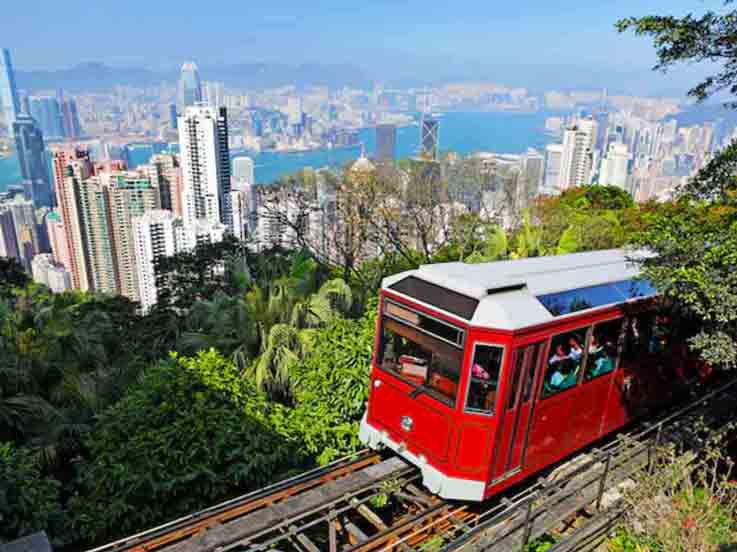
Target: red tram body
x=485 y=374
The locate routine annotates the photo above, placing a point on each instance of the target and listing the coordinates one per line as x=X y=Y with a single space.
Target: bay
x=462 y=132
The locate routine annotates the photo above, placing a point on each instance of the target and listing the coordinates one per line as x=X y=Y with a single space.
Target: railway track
x=367 y=502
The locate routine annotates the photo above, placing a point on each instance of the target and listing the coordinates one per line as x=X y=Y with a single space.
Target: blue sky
x=506 y=41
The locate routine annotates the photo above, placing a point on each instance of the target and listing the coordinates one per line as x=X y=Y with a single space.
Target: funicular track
x=367 y=502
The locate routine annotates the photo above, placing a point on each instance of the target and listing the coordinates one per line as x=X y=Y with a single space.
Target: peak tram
x=486 y=374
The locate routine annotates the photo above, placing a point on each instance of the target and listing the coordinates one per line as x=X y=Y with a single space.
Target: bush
x=191 y=432
x=29 y=502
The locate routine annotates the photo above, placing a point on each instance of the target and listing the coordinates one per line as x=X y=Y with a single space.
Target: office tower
x=551 y=178
x=58 y=240
x=243 y=170
x=29 y=145
x=294 y=110
x=577 y=156
x=213 y=93
x=128 y=195
x=23 y=217
x=8 y=91
x=47 y=113
x=8 y=239
x=429 y=138
x=532 y=168
x=71 y=166
x=157 y=233
x=190 y=88
x=615 y=166
x=173 y=116
x=165 y=173
x=51 y=274
x=70 y=118
x=386 y=143
x=203 y=141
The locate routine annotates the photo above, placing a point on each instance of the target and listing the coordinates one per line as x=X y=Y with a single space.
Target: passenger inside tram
x=565 y=363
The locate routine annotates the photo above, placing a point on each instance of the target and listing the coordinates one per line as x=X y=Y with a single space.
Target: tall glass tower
x=190 y=88
x=8 y=92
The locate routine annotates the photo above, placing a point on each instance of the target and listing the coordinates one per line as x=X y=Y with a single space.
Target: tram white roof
x=507 y=291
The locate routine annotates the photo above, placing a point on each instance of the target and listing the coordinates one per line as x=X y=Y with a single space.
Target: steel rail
x=149 y=539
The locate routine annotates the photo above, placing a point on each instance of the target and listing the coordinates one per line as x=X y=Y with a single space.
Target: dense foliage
x=191 y=431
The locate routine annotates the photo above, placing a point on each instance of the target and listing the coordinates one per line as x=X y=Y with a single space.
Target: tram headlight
x=377 y=383
x=406 y=423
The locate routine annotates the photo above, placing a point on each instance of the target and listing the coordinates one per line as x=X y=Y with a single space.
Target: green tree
x=191 y=432
x=29 y=501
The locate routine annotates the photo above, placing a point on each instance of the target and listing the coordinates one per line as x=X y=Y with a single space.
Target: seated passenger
x=559 y=356
x=478 y=372
x=576 y=350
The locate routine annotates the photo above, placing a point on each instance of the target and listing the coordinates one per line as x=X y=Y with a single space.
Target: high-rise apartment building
x=128 y=195
x=203 y=142
x=165 y=173
x=386 y=143
x=29 y=145
x=23 y=219
x=213 y=93
x=577 y=156
x=8 y=239
x=429 y=138
x=551 y=178
x=46 y=271
x=156 y=233
x=615 y=166
x=243 y=170
x=190 y=87
x=9 y=102
x=58 y=240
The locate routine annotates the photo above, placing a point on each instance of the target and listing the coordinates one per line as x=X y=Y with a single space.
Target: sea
x=462 y=132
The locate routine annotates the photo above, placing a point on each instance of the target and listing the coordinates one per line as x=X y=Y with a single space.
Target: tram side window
x=564 y=362
x=638 y=336
x=603 y=349
x=485 y=371
x=421 y=360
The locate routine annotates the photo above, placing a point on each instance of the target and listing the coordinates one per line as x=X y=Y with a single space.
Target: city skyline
x=526 y=44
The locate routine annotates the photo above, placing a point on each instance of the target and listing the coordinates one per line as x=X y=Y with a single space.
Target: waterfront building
x=203 y=141
x=615 y=166
x=51 y=274
x=29 y=145
x=429 y=138
x=156 y=233
x=243 y=170
x=386 y=143
x=70 y=118
x=47 y=113
x=551 y=178
x=9 y=102
x=190 y=88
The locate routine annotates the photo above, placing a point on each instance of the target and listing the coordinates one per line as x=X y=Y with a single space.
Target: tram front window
x=424 y=361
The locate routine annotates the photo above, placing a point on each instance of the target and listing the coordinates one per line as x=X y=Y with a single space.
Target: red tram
x=485 y=374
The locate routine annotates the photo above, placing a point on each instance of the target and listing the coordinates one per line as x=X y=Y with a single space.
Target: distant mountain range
x=98 y=76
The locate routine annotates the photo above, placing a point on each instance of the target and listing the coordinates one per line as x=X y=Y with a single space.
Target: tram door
x=511 y=444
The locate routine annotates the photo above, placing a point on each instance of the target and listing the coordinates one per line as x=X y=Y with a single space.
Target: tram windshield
x=430 y=364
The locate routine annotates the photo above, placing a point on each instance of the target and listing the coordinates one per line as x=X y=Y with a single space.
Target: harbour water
x=465 y=133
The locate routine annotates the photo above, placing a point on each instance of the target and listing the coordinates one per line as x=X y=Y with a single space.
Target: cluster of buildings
x=647 y=158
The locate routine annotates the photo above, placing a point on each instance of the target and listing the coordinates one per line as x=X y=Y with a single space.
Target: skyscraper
x=386 y=143
x=23 y=217
x=551 y=178
x=165 y=173
x=29 y=145
x=190 y=88
x=429 y=138
x=173 y=116
x=8 y=92
x=58 y=239
x=70 y=118
x=47 y=113
x=615 y=166
x=243 y=170
x=203 y=141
